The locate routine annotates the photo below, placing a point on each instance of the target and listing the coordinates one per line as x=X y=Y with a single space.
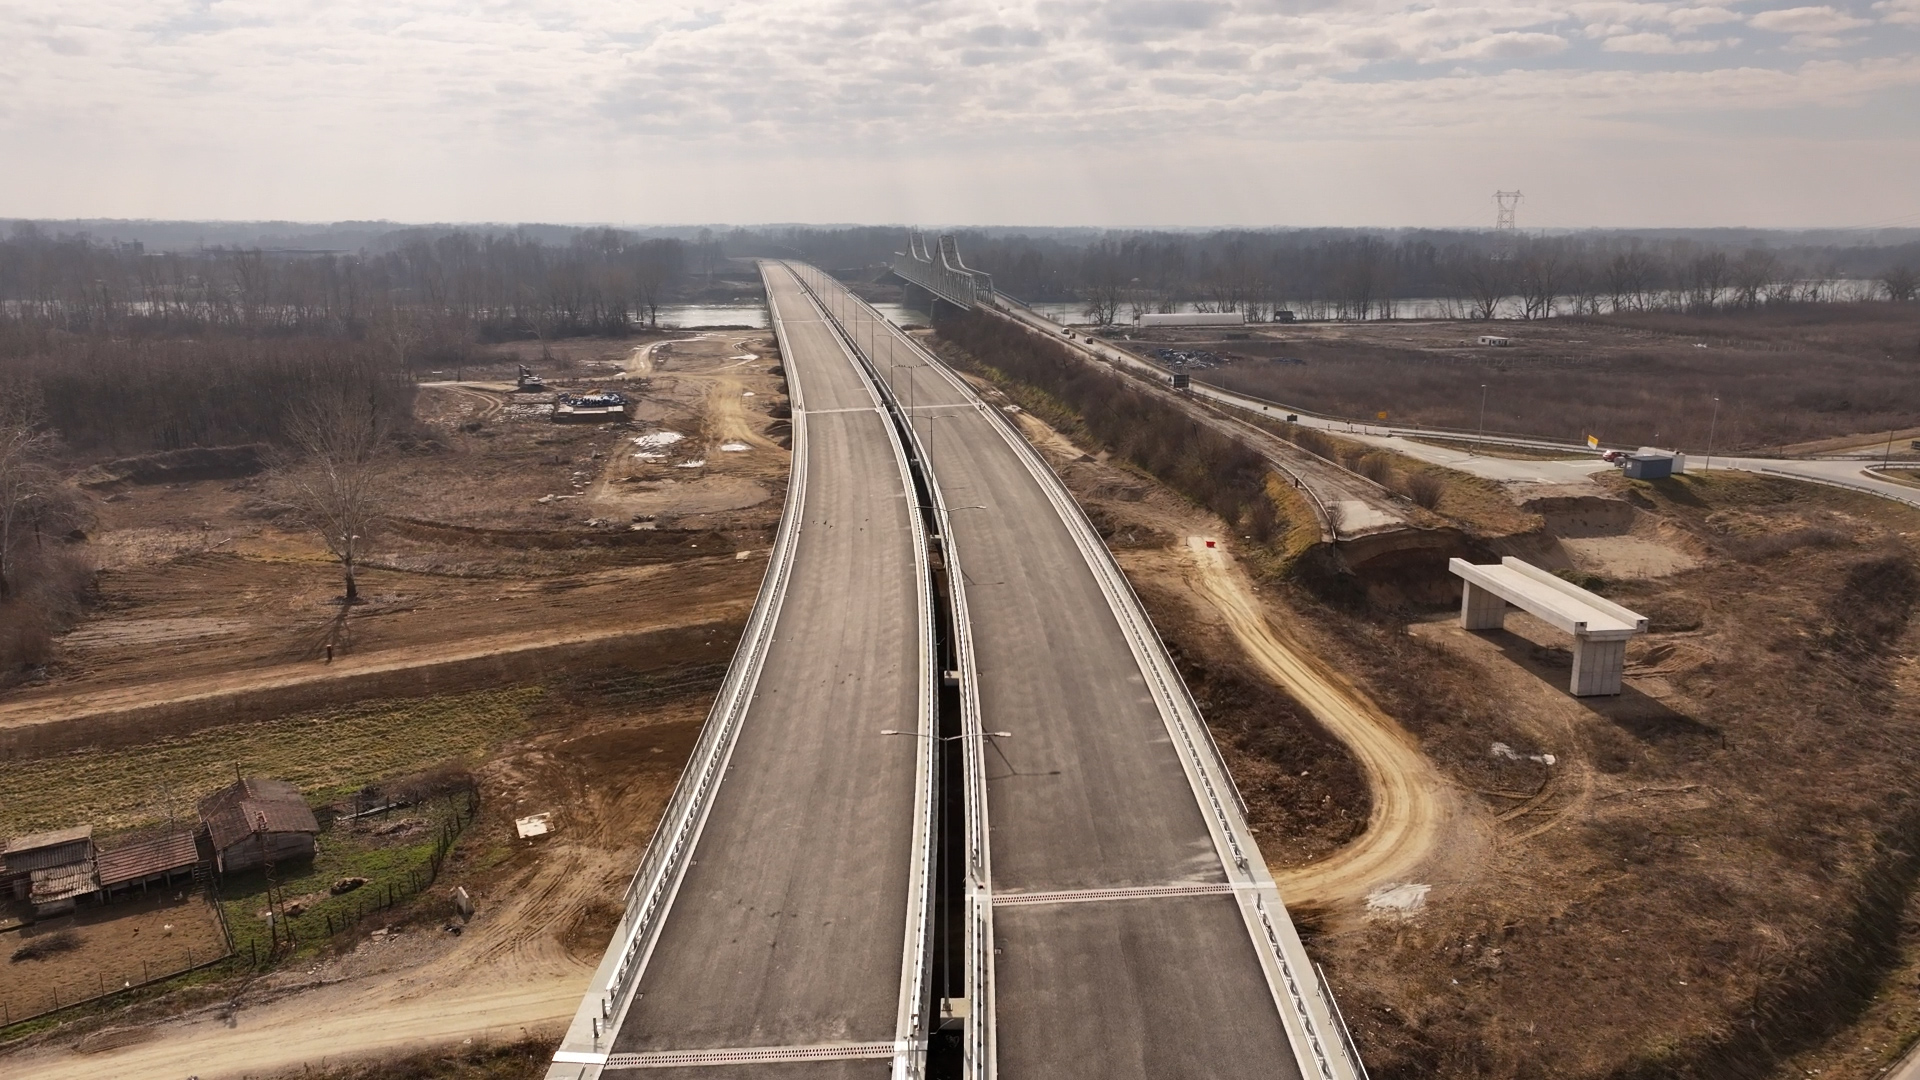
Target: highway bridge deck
x=1089 y=794
x=789 y=929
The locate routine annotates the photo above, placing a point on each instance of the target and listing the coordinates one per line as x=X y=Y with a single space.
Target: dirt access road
x=1413 y=805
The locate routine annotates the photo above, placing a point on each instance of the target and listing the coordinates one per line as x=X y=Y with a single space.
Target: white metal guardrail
x=979 y=1058
x=663 y=867
x=1900 y=497
x=912 y=1028
x=1290 y=974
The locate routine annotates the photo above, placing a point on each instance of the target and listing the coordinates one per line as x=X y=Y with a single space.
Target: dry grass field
x=1810 y=372
x=327 y=753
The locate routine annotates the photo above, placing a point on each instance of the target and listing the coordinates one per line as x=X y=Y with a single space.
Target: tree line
x=432 y=285
x=1362 y=274
x=1212 y=469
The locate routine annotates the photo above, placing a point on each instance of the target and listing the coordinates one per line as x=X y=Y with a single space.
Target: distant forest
x=1361 y=274
x=445 y=287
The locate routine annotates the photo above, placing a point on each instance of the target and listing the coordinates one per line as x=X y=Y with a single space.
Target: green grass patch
x=327 y=753
x=396 y=868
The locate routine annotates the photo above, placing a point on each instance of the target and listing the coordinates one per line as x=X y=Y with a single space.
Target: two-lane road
x=790 y=946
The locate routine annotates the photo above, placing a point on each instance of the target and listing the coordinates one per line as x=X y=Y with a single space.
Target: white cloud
x=1906 y=12
x=1657 y=45
x=1818 y=43
x=491 y=97
x=1696 y=17
x=1806 y=20
x=1512 y=45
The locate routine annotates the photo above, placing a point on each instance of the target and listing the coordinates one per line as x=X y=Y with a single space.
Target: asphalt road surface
x=1088 y=793
x=789 y=928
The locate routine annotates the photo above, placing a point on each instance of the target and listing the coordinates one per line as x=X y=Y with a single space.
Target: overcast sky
x=1147 y=112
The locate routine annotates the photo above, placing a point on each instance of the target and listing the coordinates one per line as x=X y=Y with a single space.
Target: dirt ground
x=1698 y=858
x=1691 y=879
x=1809 y=375
x=518 y=525
x=127 y=941
x=598 y=589
x=1547 y=887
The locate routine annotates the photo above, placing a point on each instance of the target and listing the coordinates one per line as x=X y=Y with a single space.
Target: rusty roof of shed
x=142 y=858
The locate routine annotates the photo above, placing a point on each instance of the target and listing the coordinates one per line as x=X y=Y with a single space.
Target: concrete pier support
x=1600 y=627
x=1597 y=665
x=1481 y=609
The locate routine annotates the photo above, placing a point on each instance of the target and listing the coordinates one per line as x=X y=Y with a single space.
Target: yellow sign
x=1380 y=415
x=1593 y=441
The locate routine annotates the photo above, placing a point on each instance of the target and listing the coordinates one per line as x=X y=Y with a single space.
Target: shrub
x=1373 y=465
x=1424 y=487
x=1212 y=469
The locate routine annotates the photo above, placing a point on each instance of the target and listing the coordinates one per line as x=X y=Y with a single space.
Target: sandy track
x=487 y=403
x=727 y=415
x=332 y=1025
x=1412 y=803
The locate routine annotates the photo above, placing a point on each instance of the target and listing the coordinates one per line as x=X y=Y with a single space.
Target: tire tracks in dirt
x=1414 y=806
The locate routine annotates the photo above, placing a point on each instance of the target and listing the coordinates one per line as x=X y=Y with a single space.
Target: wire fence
x=287 y=932
x=127 y=978
x=283 y=936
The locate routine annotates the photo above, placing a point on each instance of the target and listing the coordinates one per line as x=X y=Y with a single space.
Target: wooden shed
x=258 y=820
x=23 y=856
x=142 y=862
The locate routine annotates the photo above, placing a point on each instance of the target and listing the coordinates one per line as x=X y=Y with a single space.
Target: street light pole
x=1483 y=420
x=1712 y=426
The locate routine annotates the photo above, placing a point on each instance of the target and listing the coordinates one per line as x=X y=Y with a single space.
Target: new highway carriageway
x=777 y=927
x=1118 y=922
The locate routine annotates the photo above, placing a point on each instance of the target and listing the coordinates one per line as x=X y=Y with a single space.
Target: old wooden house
x=256 y=821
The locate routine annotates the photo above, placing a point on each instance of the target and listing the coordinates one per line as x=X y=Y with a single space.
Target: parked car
x=1614 y=457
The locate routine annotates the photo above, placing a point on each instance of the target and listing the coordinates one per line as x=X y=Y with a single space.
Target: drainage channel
x=947 y=968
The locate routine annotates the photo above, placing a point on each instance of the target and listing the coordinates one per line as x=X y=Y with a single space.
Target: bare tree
x=1706 y=278
x=1539 y=278
x=337 y=481
x=655 y=264
x=25 y=479
x=1755 y=271
x=1902 y=284
x=1485 y=280
x=1103 y=301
